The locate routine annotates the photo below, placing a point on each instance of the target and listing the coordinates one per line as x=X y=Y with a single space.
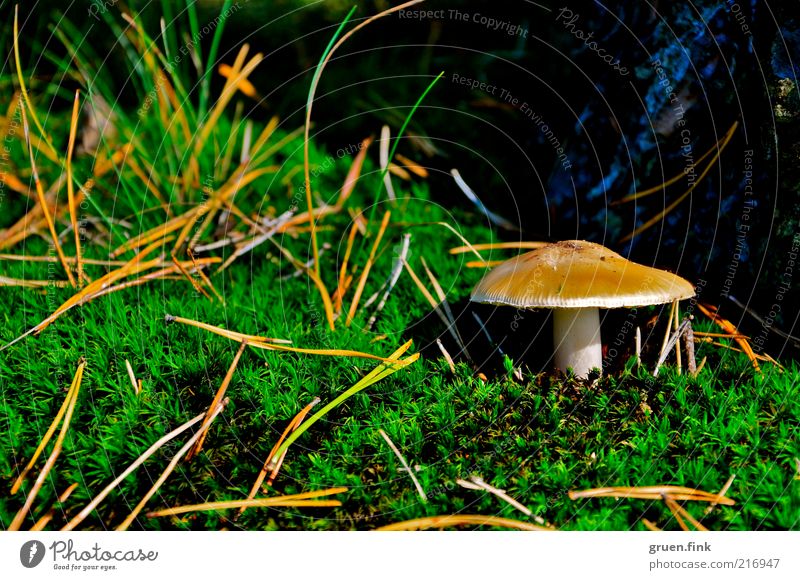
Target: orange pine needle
x=499 y=246
x=354 y=173
x=293 y=424
x=652 y=492
x=43 y=203
x=296 y=500
x=729 y=327
x=73 y=213
x=362 y=281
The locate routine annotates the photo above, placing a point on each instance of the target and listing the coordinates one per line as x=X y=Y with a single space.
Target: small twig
x=638 y=346
x=446 y=356
x=669 y=344
x=396 y=451
x=688 y=342
x=397 y=269
x=677 y=509
x=384 y=160
x=476 y=482
x=132 y=377
x=721 y=493
x=676 y=324
x=217 y=401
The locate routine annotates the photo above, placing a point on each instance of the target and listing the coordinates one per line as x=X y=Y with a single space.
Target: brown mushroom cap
x=578 y=274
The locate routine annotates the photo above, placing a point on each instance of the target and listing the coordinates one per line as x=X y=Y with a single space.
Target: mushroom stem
x=576 y=336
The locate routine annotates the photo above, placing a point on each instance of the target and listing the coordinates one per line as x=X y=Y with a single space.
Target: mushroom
x=576 y=278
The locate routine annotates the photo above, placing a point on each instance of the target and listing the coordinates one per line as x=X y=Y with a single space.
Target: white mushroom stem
x=576 y=336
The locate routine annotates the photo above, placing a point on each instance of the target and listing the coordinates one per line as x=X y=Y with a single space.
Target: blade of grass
x=306 y=136
x=292 y=426
x=49 y=150
x=205 y=87
x=381 y=371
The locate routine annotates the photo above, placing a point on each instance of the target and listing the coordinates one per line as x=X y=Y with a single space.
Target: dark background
x=617 y=131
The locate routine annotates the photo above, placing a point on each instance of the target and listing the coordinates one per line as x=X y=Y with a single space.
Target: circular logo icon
x=31 y=553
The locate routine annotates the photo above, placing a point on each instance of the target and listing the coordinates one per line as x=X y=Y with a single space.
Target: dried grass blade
x=394 y=276
x=90 y=507
x=343 y=271
x=497 y=220
x=293 y=424
x=384 y=161
x=362 y=281
x=170 y=468
x=406 y=467
x=499 y=246
x=216 y=402
x=678 y=509
x=45 y=210
x=731 y=329
x=46 y=518
x=380 y=372
x=237 y=336
x=660 y=216
x=73 y=210
x=354 y=173
x=296 y=500
x=72 y=397
x=651 y=492
x=412 y=166
x=132 y=376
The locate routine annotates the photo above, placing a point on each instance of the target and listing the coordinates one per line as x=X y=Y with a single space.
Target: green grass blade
x=205 y=88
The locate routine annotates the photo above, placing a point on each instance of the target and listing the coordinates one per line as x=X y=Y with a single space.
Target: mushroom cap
x=578 y=274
